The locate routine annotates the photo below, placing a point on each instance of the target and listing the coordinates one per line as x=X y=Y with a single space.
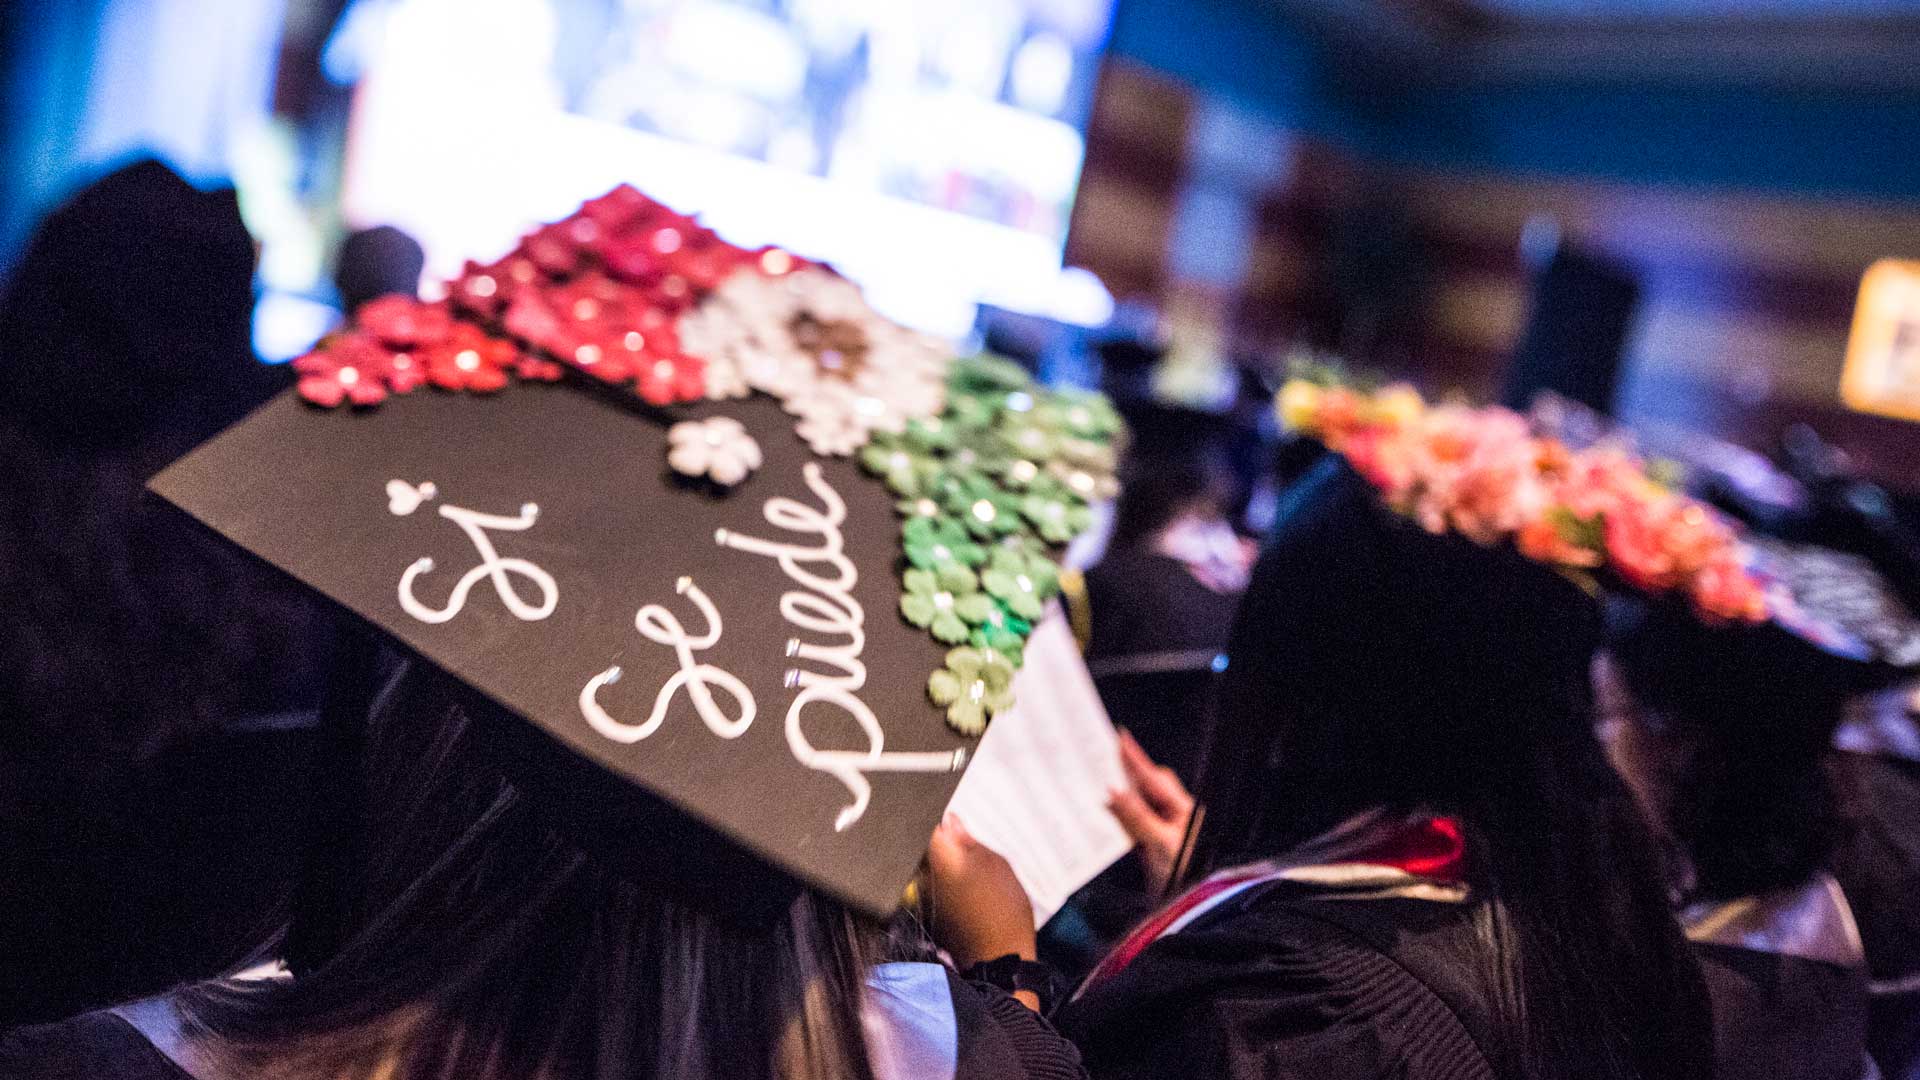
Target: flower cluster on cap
x=1484 y=473
x=987 y=489
x=991 y=472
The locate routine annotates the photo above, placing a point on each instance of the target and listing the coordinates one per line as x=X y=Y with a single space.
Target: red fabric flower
x=483 y=291
x=670 y=379
x=552 y=250
x=347 y=368
x=629 y=257
x=618 y=208
x=402 y=322
x=469 y=360
x=531 y=368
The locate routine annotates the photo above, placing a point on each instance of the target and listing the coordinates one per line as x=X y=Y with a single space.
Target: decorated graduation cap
x=1694 y=595
x=694 y=514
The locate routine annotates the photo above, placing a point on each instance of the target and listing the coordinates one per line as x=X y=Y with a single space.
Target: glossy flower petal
x=1022 y=582
x=934 y=542
x=944 y=602
x=974 y=686
x=717 y=448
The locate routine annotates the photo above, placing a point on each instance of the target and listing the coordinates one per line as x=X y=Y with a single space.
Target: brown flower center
x=838 y=346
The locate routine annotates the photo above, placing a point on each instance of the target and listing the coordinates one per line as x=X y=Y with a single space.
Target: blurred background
x=1698 y=218
x=1675 y=200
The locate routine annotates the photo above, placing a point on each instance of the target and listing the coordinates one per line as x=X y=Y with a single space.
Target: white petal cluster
x=745 y=333
x=717 y=448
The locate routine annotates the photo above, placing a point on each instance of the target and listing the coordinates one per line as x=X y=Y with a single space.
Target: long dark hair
x=1374 y=666
x=474 y=936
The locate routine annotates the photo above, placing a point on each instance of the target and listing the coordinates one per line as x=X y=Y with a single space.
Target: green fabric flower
x=1097 y=457
x=929 y=435
x=970 y=413
x=1056 y=514
x=976 y=685
x=908 y=474
x=946 y=602
x=1022 y=474
x=922 y=507
x=987 y=374
x=985 y=509
x=935 y=542
x=979 y=452
x=1083 y=414
x=1020 y=581
x=1025 y=544
x=1028 y=441
x=1004 y=633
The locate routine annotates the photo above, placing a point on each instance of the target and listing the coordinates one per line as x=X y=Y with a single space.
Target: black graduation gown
x=1788 y=984
x=1295 y=985
x=1877 y=862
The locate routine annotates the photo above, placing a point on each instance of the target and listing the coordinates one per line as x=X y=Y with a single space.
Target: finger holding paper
x=1155 y=809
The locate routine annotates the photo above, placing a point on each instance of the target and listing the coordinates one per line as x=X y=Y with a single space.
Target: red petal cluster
x=601 y=291
x=398 y=344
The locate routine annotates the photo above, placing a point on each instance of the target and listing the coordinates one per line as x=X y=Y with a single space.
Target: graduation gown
x=1788 y=982
x=1351 y=963
x=1290 y=984
x=1876 y=768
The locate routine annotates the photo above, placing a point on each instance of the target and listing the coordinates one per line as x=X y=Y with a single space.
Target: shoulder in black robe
x=1306 y=988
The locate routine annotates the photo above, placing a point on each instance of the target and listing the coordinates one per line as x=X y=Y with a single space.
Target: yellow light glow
x=1882 y=374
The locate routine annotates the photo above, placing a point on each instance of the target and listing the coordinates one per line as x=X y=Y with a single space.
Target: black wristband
x=1014 y=974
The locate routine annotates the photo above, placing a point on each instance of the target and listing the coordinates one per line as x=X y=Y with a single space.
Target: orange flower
x=1724 y=590
x=1634 y=548
x=1559 y=538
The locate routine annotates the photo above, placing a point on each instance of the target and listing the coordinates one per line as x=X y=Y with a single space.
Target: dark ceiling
x=1812 y=44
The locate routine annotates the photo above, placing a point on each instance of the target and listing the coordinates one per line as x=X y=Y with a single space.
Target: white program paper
x=1037 y=789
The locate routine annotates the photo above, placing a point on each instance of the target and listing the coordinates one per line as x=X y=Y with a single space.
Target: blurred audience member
x=1421 y=863
x=1722 y=730
x=1159 y=604
x=147 y=775
x=374 y=262
x=1154 y=614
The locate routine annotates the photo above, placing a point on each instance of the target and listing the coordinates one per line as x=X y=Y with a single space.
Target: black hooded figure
x=151 y=679
x=1726 y=737
x=1388 y=688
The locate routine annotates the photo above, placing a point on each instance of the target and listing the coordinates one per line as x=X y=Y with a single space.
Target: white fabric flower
x=718 y=448
x=811 y=340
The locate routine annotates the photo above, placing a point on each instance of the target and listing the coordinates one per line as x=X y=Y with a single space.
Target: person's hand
x=1154 y=808
x=979 y=911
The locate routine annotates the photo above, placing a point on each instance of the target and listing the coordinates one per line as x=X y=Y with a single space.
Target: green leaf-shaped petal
x=918 y=610
x=975 y=608
x=965 y=663
x=957 y=579
x=967 y=717
x=944 y=687
x=949 y=628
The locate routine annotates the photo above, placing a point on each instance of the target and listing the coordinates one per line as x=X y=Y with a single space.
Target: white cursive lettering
x=659 y=625
x=492 y=566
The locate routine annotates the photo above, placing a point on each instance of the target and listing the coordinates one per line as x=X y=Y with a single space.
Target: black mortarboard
x=790 y=631
x=1836 y=629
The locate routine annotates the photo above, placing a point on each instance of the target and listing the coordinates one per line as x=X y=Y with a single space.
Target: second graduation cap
x=696 y=515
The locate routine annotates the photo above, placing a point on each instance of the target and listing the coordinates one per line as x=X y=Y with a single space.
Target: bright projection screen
x=929 y=149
